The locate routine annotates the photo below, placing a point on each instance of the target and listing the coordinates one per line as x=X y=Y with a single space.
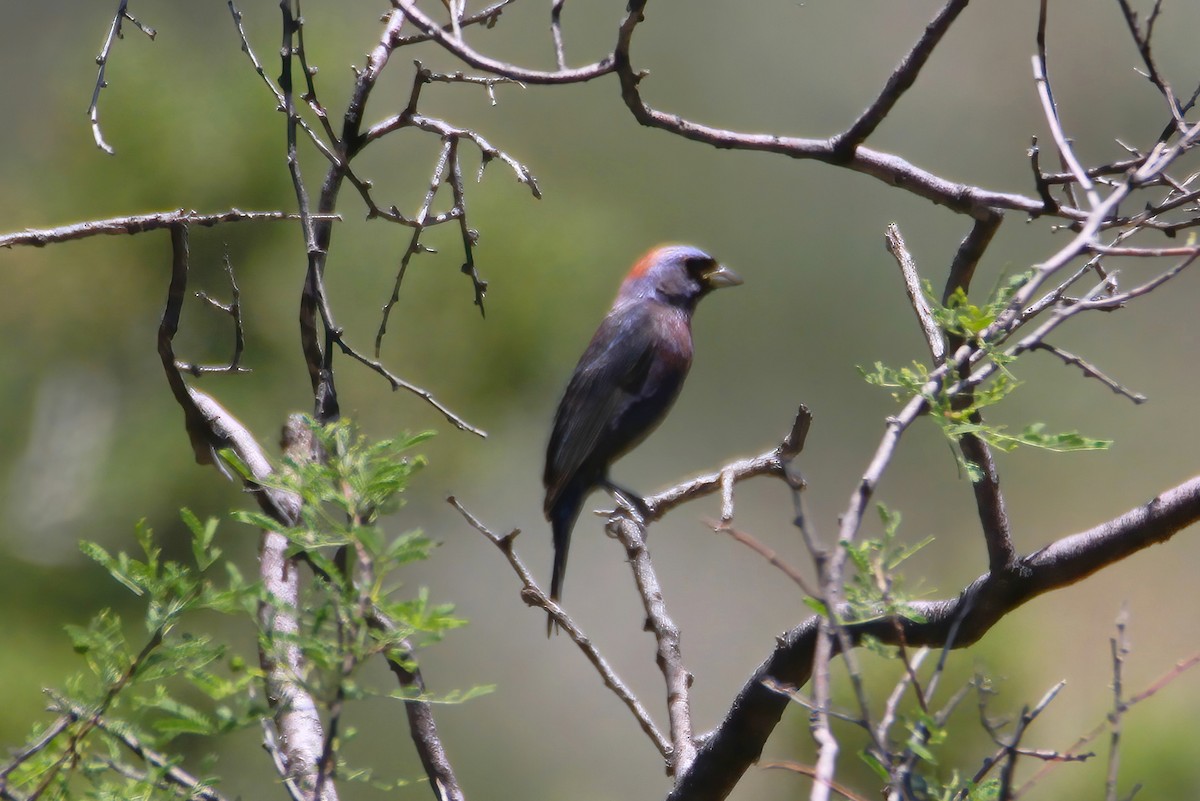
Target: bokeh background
x=93 y=441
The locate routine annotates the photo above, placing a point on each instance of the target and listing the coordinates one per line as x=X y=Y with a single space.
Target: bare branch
x=916 y=292
x=114 y=33
x=532 y=594
x=805 y=770
x=1010 y=749
x=890 y=169
x=628 y=527
x=827 y=744
x=901 y=80
x=773 y=462
x=469 y=236
x=1091 y=371
x=414 y=242
x=556 y=9
x=989 y=501
x=773 y=558
x=480 y=61
x=445 y=130
x=1073 y=753
x=1065 y=151
x=399 y=383
x=1120 y=649
x=907 y=679
x=138 y=224
x=1143 y=42
x=234 y=310
x=488 y=17
x=297 y=719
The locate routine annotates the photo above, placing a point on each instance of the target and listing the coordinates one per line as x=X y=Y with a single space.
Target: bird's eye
x=699 y=267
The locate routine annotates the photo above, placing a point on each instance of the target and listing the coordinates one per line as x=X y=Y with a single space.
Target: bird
x=624 y=384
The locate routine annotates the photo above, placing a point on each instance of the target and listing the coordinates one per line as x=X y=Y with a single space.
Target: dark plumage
x=625 y=381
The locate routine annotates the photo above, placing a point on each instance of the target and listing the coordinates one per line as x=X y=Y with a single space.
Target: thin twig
x=827 y=744
x=21 y=756
x=171 y=772
x=414 y=242
x=1051 y=113
x=487 y=17
x=1091 y=371
x=766 y=553
x=234 y=310
x=470 y=237
x=114 y=33
x=532 y=594
x=479 y=61
x=805 y=770
x=1143 y=42
x=907 y=679
x=1073 y=753
x=137 y=224
x=916 y=292
x=901 y=80
x=773 y=462
x=1119 y=645
x=1010 y=748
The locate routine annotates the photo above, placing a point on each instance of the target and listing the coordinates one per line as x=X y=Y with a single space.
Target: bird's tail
x=562 y=521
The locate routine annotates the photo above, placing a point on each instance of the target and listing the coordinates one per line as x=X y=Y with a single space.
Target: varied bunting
x=625 y=382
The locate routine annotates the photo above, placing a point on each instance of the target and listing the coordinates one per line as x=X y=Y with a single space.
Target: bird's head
x=678 y=275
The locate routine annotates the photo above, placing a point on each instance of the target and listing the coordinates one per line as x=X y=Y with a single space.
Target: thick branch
x=959 y=622
x=301 y=739
x=966 y=259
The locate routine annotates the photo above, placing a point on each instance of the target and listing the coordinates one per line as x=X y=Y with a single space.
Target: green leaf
x=452 y=697
x=202 y=538
x=988 y=790
x=817 y=606
x=874 y=764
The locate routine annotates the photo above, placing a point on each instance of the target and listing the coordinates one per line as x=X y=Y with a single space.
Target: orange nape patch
x=647 y=261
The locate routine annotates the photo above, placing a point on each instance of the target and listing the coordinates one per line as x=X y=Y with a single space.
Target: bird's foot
x=630 y=500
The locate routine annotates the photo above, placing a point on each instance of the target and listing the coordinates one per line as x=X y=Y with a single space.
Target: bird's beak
x=721 y=276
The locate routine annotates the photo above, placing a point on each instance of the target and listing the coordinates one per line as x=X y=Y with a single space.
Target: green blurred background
x=94 y=441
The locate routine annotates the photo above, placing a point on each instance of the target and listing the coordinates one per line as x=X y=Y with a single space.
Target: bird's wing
x=611 y=371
